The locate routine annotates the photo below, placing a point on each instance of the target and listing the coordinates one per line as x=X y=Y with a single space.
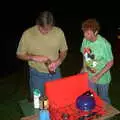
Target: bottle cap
x=36 y=92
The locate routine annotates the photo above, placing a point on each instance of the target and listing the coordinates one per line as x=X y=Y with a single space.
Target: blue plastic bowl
x=85 y=103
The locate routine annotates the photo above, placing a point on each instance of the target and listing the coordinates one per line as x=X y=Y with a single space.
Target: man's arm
x=83 y=68
x=104 y=70
x=62 y=56
x=30 y=57
x=25 y=57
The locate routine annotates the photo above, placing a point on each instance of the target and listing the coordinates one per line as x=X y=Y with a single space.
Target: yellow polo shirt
x=33 y=42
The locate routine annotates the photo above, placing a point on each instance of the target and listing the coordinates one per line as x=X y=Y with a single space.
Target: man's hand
x=53 y=65
x=82 y=70
x=104 y=70
x=95 y=78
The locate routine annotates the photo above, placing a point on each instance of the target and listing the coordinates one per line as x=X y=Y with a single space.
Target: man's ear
x=96 y=32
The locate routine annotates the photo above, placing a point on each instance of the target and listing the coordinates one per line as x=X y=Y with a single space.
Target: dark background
x=18 y=16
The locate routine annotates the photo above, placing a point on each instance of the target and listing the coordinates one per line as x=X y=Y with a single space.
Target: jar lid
x=36 y=92
x=43 y=98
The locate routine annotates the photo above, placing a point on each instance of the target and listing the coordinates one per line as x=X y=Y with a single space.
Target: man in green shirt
x=98 y=58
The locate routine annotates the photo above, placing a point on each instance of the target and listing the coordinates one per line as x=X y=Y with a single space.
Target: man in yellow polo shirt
x=44 y=47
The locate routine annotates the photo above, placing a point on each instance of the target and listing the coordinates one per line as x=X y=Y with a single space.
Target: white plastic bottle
x=36 y=96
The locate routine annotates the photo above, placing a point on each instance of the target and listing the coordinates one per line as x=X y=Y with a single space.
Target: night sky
x=18 y=16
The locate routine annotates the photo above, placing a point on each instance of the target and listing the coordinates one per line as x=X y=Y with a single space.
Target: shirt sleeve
x=22 y=46
x=108 y=52
x=82 y=46
x=63 y=43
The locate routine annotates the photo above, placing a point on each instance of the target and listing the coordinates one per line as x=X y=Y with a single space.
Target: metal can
x=44 y=104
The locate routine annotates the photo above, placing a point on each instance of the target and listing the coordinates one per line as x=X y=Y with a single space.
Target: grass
x=13 y=87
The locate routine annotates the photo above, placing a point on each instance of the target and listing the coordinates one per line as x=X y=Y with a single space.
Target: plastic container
x=36 y=96
x=44 y=115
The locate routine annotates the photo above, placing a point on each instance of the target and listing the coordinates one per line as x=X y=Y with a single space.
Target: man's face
x=45 y=29
x=89 y=35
